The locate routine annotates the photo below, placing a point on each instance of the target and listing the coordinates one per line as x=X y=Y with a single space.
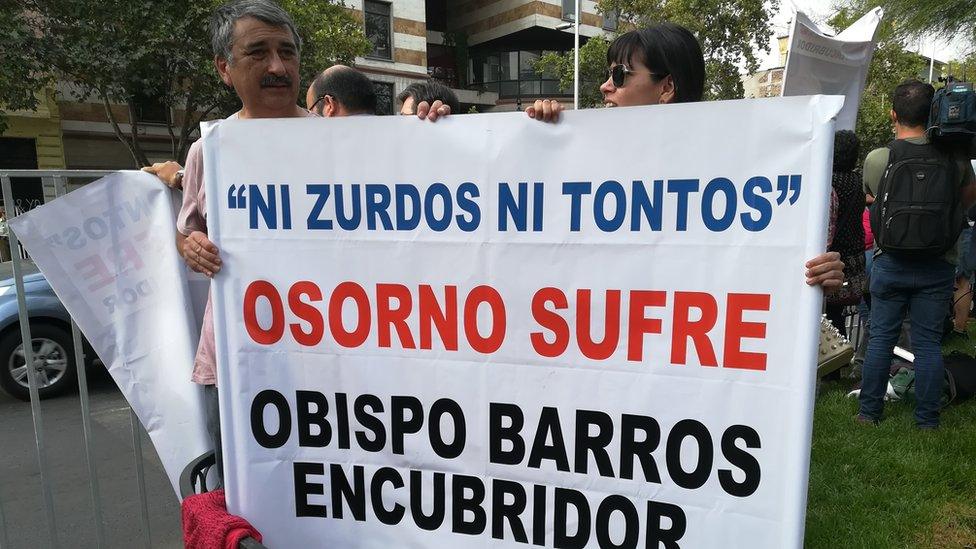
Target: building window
x=150 y=108
x=379 y=28
x=511 y=74
x=569 y=10
x=611 y=20
x=442 y=65
x=384 y=97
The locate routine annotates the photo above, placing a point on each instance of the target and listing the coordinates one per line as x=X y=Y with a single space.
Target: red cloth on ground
x=208 y=525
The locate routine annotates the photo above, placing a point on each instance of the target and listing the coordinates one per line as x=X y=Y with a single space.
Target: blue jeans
x=967 y=261
x=864 y=313
x=864 y=307
x=923 y=288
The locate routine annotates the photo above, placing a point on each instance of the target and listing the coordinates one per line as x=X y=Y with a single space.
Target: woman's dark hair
x=665 y=48
x=846 y=149
x=431 y=91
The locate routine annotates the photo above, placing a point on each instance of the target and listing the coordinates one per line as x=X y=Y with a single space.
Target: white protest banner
x=492 y=331
x=831 y=65
x=108 y=250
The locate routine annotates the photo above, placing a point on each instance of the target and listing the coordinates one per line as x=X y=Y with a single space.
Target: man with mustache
x=256 y=51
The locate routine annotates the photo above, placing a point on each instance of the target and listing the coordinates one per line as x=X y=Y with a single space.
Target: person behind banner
x=864 y=307
x=338 y=91
x=962 y=298
x=848 y=238
x=429 y=92
x=344 y=91
x=256 y=52
x=341 y=91
x=661 y=64
x=917 y=282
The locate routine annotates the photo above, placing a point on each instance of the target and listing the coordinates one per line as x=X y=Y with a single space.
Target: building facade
x=768 y=82
x=483 y=49
x=33 y=140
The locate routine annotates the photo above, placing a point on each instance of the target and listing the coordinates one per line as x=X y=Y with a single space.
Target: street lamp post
x=576 y=40
x=576 y=57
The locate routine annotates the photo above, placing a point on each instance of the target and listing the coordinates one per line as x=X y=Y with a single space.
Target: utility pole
x=576 y=47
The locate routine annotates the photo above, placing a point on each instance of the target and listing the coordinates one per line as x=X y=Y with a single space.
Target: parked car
x=50 y=326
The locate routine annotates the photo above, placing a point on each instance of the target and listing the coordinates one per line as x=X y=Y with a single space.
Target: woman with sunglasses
x=659 y=64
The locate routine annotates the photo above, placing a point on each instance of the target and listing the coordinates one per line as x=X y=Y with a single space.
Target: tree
x=891 y=65
x=941 y=17
x=731 y=33
x=964 y=69
x=20 y=75
x=121 y=52
x=593 y=70
x=330 y=32
x=458 y=41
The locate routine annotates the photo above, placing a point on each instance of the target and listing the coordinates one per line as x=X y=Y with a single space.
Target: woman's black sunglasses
x=618 y=73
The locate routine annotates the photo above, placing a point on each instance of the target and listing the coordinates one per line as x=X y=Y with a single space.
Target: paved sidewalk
x=20 y=488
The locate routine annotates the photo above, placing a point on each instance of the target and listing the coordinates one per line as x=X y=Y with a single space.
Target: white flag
x=108 y=250
x=831 y=65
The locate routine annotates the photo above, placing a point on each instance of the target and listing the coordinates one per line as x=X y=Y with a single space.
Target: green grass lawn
x=890 y=486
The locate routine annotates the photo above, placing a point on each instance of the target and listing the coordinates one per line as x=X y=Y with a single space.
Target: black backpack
x=960 y=381
x=918 y=212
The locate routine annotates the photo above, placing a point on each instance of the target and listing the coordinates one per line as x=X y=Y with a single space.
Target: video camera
x=952 y=120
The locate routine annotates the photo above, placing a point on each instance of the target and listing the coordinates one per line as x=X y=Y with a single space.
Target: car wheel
x=54 y=362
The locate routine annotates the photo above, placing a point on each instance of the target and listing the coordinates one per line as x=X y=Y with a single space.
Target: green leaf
x=139 y=48
x=730 y=32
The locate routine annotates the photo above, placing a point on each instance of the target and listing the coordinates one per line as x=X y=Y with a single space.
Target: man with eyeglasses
x=344 y=91
x=341 y=91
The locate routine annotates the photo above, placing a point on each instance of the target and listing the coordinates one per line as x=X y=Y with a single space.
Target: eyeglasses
x=618 y=73
x=312 y=109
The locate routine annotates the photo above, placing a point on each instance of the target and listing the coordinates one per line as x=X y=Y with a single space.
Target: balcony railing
x=507 y=89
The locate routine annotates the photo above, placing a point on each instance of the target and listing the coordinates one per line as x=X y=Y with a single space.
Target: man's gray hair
x=223 y=21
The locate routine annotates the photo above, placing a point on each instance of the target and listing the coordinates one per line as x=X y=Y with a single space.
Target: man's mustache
x=275 y=80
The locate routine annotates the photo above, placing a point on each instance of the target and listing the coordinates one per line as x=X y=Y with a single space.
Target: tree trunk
x=174 y=146
x=141 y=158
x=138 y=157
x=190 y=122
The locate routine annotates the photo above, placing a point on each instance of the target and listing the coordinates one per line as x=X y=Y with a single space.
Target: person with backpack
x=921 y=192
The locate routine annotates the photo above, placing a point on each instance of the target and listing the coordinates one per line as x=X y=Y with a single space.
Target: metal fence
x=60 y=179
